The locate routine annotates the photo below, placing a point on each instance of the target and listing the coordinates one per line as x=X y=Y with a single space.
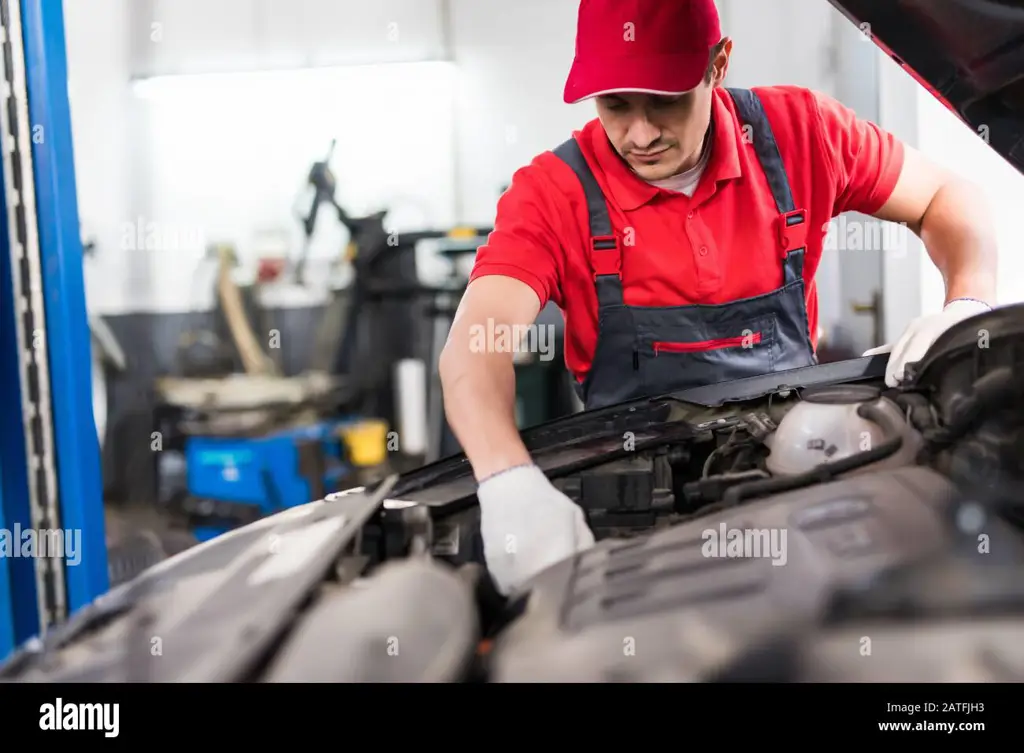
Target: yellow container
x=462 y=232
x=367 y=442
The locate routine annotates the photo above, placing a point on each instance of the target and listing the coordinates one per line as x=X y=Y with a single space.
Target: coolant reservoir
x=821 y=428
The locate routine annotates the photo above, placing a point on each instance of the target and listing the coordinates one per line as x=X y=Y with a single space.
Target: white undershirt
x=686 y=183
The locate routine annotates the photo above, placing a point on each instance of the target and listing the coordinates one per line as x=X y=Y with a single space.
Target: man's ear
x=722 y=61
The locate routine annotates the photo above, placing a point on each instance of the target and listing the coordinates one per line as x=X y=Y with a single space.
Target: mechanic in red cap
x=679 y=233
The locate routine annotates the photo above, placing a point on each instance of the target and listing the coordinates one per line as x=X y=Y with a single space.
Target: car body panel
x=968 y=54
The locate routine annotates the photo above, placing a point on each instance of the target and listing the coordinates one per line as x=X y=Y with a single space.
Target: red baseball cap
x=650 y=46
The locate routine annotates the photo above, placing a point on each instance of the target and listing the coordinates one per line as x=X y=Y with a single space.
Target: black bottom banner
x=266 y=714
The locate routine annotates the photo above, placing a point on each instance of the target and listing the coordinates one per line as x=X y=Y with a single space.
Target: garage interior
x=253 y=221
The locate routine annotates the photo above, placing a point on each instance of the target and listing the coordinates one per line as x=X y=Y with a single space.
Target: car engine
x=788 y=443
x=854 y=534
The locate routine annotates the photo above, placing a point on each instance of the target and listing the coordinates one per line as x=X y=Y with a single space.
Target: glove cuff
x=971 y=300
x=510 y=469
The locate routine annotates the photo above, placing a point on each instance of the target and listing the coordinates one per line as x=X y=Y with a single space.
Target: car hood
x=968 y=53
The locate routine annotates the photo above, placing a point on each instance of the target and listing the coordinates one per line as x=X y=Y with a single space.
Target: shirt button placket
x=702 y=251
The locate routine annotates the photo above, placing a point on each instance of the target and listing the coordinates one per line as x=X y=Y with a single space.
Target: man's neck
x=702 y=155
x=685 y=181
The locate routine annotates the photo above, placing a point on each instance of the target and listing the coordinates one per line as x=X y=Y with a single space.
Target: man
x=679 y=233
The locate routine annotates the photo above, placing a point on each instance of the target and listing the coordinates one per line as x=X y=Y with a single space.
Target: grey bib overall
x=647 y=351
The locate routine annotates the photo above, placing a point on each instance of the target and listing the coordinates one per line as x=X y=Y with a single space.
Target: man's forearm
x=958 y=231
x=479 y=400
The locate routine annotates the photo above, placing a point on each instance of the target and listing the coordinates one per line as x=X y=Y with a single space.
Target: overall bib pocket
x=670 y=361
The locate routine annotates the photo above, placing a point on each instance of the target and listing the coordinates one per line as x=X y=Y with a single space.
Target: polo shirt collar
x=630 y=192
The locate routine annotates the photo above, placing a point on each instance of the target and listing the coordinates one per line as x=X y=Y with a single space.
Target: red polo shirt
x=718 y=246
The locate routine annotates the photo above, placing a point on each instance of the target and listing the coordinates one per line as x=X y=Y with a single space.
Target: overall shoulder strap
x=571 y=154
x=751 y=113
x=602 y=236
x=792 y=230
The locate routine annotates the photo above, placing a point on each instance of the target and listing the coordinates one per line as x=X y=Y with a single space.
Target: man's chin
x=654 y=171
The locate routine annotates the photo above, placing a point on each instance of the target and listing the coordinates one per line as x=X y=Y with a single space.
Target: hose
x=987 y=393
x=824 y=472
x=920 y=411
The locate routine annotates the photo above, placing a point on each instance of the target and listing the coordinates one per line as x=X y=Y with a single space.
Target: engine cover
x=674 y=605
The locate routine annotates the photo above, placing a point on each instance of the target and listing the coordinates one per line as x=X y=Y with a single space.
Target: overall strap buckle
x=792 y=231
x=606 y=255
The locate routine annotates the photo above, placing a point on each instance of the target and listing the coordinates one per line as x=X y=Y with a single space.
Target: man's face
x=657 y=136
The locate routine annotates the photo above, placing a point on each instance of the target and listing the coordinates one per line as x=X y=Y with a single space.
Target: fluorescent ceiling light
x=315 y=78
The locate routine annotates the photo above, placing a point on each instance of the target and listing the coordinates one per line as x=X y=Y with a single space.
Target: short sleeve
x=523 y=244
x=866 y=160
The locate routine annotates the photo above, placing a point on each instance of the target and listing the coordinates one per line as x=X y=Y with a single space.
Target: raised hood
x=967 y=53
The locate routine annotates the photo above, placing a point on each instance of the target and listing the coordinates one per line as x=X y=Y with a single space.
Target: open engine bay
x=780 y=530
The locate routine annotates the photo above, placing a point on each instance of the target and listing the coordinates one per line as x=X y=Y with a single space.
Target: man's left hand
x=921 y=333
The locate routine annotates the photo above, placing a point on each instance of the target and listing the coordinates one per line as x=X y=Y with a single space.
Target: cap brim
x=665 y=75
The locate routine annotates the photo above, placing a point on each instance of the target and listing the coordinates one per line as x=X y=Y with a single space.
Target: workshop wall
x=513 y=65
x=104 y=131
x=952 y=143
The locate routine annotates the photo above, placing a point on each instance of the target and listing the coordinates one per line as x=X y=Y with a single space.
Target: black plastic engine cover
x=623 y=496
x=673 y=607
x=970 y=378
x=967 y=351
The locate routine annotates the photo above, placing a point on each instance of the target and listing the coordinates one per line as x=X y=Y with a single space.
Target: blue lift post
x=67 y=321
x=63 y=491
x=7 y=641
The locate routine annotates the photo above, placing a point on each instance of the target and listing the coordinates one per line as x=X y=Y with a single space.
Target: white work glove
x=527 y=525
x=921 y=333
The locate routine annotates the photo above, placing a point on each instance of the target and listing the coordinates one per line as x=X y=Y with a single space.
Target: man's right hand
x=527 y=525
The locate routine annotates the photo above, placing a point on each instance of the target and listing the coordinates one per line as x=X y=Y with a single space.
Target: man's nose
x=642 y=133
